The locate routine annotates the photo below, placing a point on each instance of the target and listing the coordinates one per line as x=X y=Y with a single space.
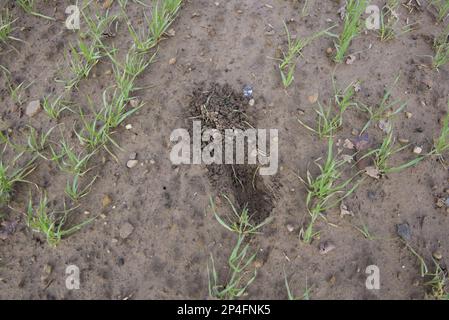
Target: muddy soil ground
x=165 y=257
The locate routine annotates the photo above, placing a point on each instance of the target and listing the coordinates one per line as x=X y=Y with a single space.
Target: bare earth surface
x=174 y=231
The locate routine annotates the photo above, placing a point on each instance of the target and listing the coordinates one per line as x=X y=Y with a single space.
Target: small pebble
x=132 y=163
x=172 y=61
x=106 y=201
x=251 y=102
x=437 y=255
x=290 y=228
x=417 y=150
x=125 y=230
x=33 y=108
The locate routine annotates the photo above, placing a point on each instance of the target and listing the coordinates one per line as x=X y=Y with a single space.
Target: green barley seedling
x=441 y=48
x=162 y=16
x=94 y=133
x=291 y=296
x=82 y=62
x=351 y=28
x=240 y=274
x=441 y=144
x=6 y=27
x=439 y=285
x=17 y=92
x=37 y=143
x=8 y=178
x=383 y=154
x=29 y=7
x=422 y=264
x=442 y=7
x=386 y=109
x=115 y=111
x=52 y=224
x=363 y=229
x=54 y=108
x=127 y=72
x=328 y=121
x=323 y=189
x=287 y=65
x=70 y=161
x=389 y=20
x=74 y=190
x=240 y=223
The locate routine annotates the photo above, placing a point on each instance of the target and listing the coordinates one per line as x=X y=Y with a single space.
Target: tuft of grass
x=6 y=28
x=83 y=59
x=291 y=296
x=441 y=144
x=17 y=91
x=94 y=133
x=388 y=21
x=240 y=222
x=75 y=191
x=240 y=261
x=351 y=28
x=328 y=122
x=323 y=189
x=54 y=108
x=438 y=284
x=442 y=7
x=385 y=109
x=37 y=143
x=52 y=224
x=237 y=282
x=441 y=48
x=8 y=178
x=382 y=155
x=29 y=7
x=71 y=161
x=287 y=65
x=162 y=16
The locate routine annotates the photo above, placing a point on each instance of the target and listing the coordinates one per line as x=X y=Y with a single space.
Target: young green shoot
x=240 y=222
x=385 y=110
x=389 y=19
x=17 y=91
x=351 y=28
x=6 y=27
x=162 y=16
x=323 y=189
x=328 y=121
x=37 y=143
x=441 y=48
x=8 y=178
x=75 y=191
x=54 y=108
x=70 y=161
x=442 y=7
x=291 y=296
x=29 y=7
x=441 y=144
x=52 y=224
x=287 y=65
x=382 y=155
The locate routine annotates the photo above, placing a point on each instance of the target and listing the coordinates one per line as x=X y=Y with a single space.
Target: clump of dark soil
x=221 y=107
